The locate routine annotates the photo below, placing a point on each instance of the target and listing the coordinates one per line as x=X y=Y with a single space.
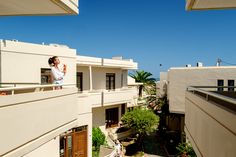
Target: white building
x=206 y=96
x=180 y=78
x=39 y=121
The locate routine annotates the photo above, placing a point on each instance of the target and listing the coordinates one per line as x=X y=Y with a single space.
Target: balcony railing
x=210 y=120
x=19 y=88
x=106 y=98
x=35 y=114
x=224 y=98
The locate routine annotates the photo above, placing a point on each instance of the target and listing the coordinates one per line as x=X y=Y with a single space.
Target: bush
x=98 y=138
x=186 y=150
x=141 y=120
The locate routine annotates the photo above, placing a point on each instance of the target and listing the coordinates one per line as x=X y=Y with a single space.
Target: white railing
x=209 y=95
x=11 y=90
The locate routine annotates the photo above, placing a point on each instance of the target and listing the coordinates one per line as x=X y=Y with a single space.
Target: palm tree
x=143 y=77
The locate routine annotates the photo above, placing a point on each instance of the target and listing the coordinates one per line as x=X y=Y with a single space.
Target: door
x=112 y=117
x=74 y=144
x=80 y=144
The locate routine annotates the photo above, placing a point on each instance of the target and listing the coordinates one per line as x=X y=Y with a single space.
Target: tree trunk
x=140 y=91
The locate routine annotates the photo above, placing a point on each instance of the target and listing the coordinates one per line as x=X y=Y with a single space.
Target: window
x=220 y=84
x=79 y=81
x=231 y=85
x=110 y=81
x=46 y=77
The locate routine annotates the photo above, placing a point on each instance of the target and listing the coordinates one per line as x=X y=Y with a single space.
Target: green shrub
x=98 y=138
x=185 y=149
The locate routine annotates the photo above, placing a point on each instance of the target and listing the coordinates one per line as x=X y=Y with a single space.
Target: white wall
x=210 y=127
x=50 y=148
x=22 y=62
x=85 y=71
x=35 y=117
x=180 y=78
x=99 y=77
x=162 y=84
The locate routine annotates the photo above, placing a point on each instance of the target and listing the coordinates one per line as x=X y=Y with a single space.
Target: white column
x=90 y=79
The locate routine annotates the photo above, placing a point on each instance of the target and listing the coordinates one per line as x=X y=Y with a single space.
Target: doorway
x=112 y=117
x=74 y=143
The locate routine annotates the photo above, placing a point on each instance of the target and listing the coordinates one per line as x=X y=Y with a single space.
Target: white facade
x=35 y=116
x=210 y=126
x=179 y=79
x=94 y=72
x=208 y=106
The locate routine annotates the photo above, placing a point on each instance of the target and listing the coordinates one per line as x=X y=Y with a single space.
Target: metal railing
x=222 y=98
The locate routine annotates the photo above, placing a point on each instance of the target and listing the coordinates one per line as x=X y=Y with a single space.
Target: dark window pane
x=219 y=84
x=79 y=81
x=46 y=76
x=231 y=85
x=110 y=81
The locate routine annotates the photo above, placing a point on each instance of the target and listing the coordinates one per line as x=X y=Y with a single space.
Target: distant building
x=205 y=96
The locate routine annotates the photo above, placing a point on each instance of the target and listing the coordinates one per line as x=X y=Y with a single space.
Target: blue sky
x=152 y=32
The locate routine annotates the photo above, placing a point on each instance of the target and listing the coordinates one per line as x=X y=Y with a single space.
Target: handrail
x=21 y=83
x=212 y=86
x=12 y=89
x=218 y=96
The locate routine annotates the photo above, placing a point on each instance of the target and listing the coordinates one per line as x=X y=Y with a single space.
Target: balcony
x=101 y=98
x=119 y=96
x=210 y=118
x=210 y=4
x=38 y=7
x=34 y=114
x=110 y=63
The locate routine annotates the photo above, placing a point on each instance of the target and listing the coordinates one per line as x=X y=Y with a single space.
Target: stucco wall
x=210 y=127
x=85 y=71
x=99 y=77
x=50 y=148
x=22 y=62
x=180 y=78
